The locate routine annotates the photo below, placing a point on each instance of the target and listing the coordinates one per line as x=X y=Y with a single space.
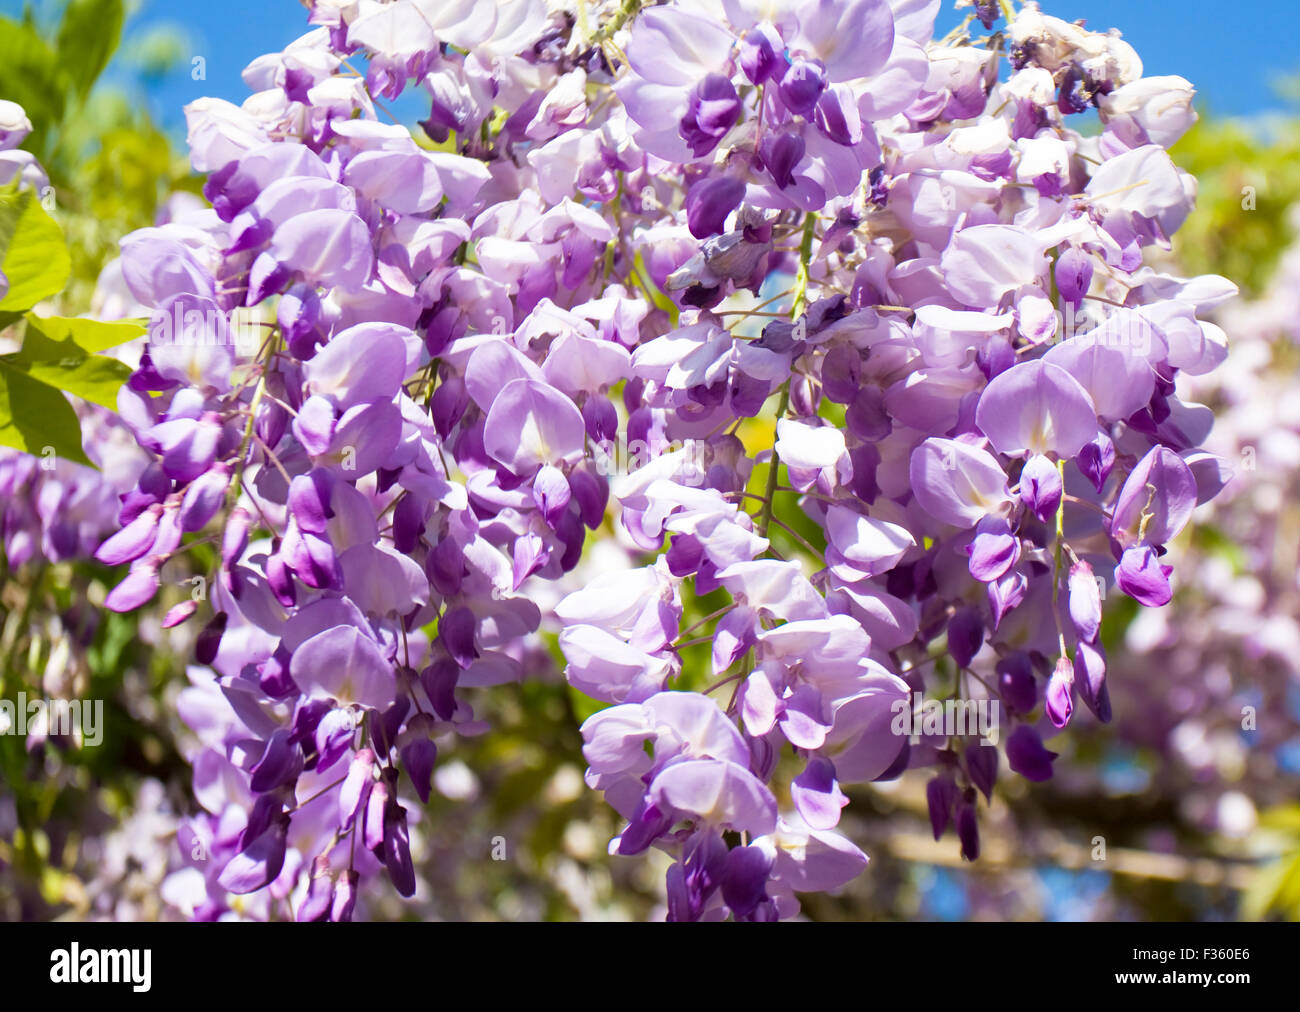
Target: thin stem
x=1059 y=561
x=308 y=801
x=237 y=482
x=796 y=310
x=24 y=620
x=805 y=257
x=803 y=542
x=706 y=619
x=810 y=493
x=1075 y=500
x=774 y=466
x=272 y=457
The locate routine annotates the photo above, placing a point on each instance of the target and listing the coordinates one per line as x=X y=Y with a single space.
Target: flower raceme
x=669 y=220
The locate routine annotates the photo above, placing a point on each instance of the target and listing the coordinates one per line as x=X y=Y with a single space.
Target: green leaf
x=88 y=335
x=33 y=255
x=32 y=74
x=88 y=36
x=62 y=363
x=34 y=416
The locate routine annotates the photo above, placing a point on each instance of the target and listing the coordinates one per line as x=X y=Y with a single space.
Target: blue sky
x=1232 y=52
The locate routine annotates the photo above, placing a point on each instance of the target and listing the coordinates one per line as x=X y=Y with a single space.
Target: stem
x=765 y=518
x=705 y=620
x=237 y=482
x=24 y=621
x=1085 y=503
x=805 y=257
x=804 y=543
x=796 y=310
x=1060 y=508
x=1056 y=570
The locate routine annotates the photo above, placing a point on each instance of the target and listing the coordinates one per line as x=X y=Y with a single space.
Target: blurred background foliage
x=109 y=164
x=110 y=168
x=512 y=831
x=1240 y=165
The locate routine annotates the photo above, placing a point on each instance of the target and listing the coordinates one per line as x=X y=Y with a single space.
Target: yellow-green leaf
x=65 y=365
x=88 y=35
x=33 y=255
x=88 y=335
x=34 y=416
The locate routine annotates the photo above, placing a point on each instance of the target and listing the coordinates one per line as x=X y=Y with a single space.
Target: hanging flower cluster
x=651 y=229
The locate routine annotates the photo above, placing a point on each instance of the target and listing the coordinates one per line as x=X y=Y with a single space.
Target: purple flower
x=1141 y=576
x=1060 y=693
x=1040 y=487
x=1155 y=503
x=1027 y=756
x=710 y=201
x=1036 y=408
x=712 y=111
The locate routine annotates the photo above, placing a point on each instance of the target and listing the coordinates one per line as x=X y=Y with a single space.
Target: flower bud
x=1060 y=693
x=1027 y=756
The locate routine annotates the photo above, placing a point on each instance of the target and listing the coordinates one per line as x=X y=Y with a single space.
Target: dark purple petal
x=968 y=830
x=258 y=864
x=418 y=758
x=209 y=639
x=708 y=203
x=1027 y=756
x=941 y=794
x=982 y=767
x=1090 y=677
x=965 y=635
x=439 y=682
x=711 y=111
x=802 y=85
x=397 y=850
x=762 y=53
x=744 y=879
x=1016 y=682
x=1096 y=459
x=456 y=632
x=309 y=501
x=280 y=763
x=780 y=153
